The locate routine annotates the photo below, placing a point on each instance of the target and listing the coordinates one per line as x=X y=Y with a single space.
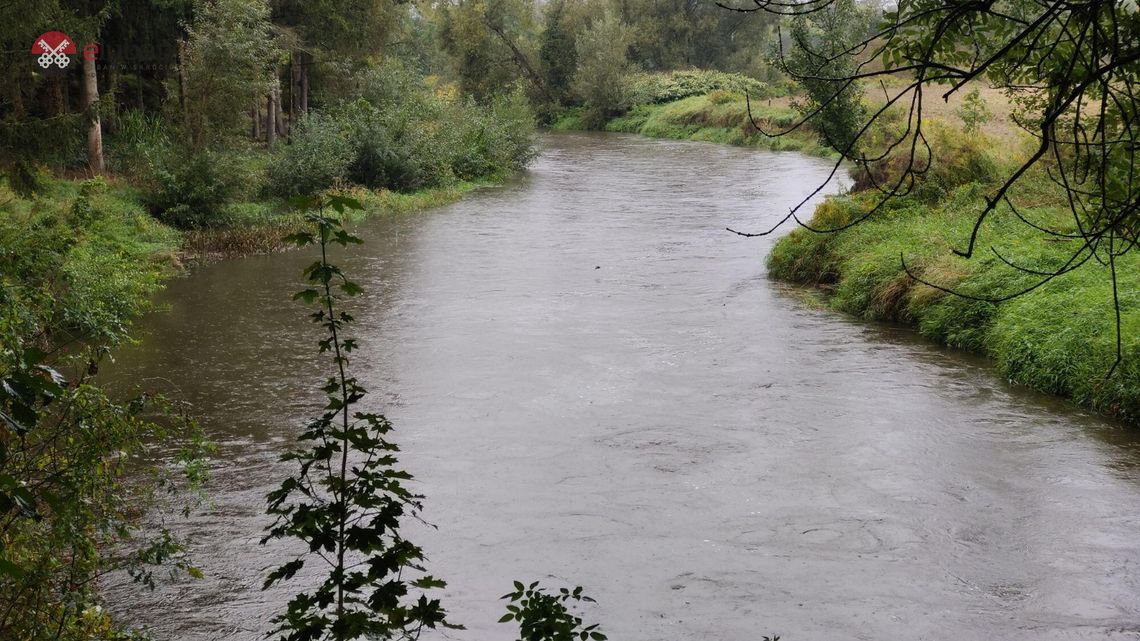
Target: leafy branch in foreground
x=346 y=498
x=81 y=494
x=545 y=617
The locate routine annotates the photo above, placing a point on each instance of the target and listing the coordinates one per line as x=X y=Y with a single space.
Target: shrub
x=494 y=140
x=195 y=193
x=401 y=147
x=140 y=140
x=74 y=270
x=957 y=159
x=318 y=154
x=974 y=111
x=648 y=89
x=399 y=134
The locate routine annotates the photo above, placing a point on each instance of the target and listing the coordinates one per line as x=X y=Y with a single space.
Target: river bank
x=109 y=229
x=1059 y=339
x=720 y=117
x=594 y=385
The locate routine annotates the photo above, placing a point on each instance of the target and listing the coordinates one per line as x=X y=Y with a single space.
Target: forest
x=143 y=139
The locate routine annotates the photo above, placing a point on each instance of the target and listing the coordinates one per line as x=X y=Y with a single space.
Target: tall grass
x=1058 y=339
x=720 y=117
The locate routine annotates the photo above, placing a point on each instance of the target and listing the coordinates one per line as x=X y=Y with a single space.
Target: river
x=595 y=384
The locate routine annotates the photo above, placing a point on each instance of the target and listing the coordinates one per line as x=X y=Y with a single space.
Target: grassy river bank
x=1059 y=339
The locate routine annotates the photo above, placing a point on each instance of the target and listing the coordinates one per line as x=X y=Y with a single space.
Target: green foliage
x=139 y=143
x=974 y=111
x=558 y=52
x=230 y=53
x=655 y=88
x=197 y=191
x=815 y=61
x=1058 y=339
x=392 y=138
x=318 y=154
x=484 y=40
x=961 y=159
x=603 y=68
x=74 y=270
x=719 y=117
x=401 y=146
x=675 y=35
x=347 y=497
x=545 y=617
x=494 y=139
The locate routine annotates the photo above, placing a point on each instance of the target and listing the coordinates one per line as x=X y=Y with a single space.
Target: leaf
x=283 y=573
x=307 y=295
x=429 y=582
x=506 y=617
x=10 y=569
x=340 y=203
x=350 y=288
x=300 y=239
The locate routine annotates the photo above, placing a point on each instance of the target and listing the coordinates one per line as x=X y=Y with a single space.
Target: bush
x=196 y=192
x=496 y=140
x=958 y=159
x=649 y=89
x=402 y=136
x=317 y=156
x=140 y=140
x=402 y=147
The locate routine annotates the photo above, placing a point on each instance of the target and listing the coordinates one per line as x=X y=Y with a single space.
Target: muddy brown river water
x=595 y=384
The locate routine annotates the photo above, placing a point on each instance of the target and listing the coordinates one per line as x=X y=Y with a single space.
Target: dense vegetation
x=200 y=119
x=185 y=137
x=1059 y=338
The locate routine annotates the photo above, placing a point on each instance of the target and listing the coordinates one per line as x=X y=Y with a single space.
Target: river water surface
x=595 y=384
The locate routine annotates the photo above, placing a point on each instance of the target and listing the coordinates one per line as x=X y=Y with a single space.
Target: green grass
x=81 y=256
x=718 y=117
x=572 y=119
x=110 y=221
x=258 y=227
x=1058 y=339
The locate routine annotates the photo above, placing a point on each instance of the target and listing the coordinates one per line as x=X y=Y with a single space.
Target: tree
x=818 y=37
x=489 y=42
x=558 y=52
x=1072 y=70
x=229 y=59
x=328 y=40
x=974 y=111
x=348 y=497
x=603 y=66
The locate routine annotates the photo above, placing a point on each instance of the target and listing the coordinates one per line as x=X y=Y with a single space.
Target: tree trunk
x=57 y=98
x=279 y=119
x=522 y=61
x=255 y=119
x=270 y=120
x=91 y=106
x=182 y=99
x=111 y=124
x=17 y=89
x=294 y=88
x=305 y=62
